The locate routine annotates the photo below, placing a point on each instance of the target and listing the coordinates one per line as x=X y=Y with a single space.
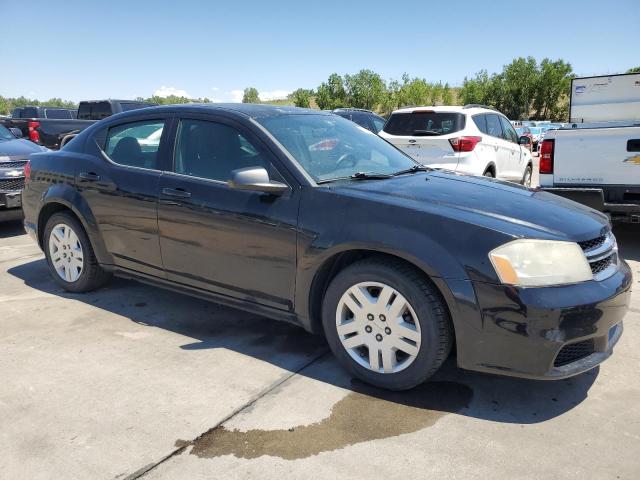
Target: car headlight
x=539 y=263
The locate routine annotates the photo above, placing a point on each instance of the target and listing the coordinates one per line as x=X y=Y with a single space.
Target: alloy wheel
x=378 y=327
x=65 y=251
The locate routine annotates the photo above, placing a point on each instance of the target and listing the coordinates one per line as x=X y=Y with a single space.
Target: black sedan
x=14 y=153
x=303 y=216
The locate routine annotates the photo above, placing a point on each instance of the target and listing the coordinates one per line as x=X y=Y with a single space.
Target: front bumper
x=527 y=332
x=10 y=205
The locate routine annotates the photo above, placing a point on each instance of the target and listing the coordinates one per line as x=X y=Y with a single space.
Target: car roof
x=252 y=110
x=470 y=110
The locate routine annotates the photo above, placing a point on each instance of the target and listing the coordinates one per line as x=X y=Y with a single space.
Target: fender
x=67 y=195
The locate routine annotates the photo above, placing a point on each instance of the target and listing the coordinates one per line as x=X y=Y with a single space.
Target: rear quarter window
x=481 y=122
x=57 y=113
x=29 y=113
x=424 y=123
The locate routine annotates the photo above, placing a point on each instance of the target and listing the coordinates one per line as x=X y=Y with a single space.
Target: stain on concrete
x=363 y=415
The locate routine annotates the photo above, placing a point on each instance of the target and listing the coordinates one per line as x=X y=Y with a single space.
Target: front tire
x=72 y=262
x=386 y=323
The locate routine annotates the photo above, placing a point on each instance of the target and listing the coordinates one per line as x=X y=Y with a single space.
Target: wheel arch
x=64 y=198
x=491 y=167
x=337 y=262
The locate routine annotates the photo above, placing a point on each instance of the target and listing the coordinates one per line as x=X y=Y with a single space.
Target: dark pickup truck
x=49 y=126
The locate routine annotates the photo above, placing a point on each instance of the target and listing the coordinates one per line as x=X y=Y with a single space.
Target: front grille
x=573 y=352
x=602 y=255
x=10 y=184
x=591 y=244
x=602 y=265
x=19 y=164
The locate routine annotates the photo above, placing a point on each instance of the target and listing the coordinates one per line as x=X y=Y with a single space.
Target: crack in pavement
x=147 y=468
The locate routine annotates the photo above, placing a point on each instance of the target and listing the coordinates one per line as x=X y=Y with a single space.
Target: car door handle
x=176 y=192
x=89 y=176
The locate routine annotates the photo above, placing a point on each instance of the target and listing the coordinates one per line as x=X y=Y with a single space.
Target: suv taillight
x=464 y=144
x=546 y=156
x=34 y=135
x=27 y=171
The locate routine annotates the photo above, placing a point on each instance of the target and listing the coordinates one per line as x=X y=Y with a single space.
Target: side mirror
x=257 y=180
x=524 y=140
x=16 y=132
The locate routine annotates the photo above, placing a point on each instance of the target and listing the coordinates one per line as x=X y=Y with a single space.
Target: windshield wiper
x=426 y=133
x=416 y=168
x=370 y=176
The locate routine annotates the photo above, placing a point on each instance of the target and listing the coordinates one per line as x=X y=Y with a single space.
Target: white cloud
x=215 y=89
x=274 y=95
x=167 y=91
x=236 y=95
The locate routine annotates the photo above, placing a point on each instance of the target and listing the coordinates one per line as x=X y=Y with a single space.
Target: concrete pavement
x=135 y=382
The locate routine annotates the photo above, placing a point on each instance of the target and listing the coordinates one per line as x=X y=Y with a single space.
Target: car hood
x=503 y=206
x=18 y=149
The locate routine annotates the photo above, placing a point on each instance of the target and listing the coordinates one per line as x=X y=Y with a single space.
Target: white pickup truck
x=595 y=159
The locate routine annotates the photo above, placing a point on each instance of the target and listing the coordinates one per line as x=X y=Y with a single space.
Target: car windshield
x=5 y=134
x=329 y=147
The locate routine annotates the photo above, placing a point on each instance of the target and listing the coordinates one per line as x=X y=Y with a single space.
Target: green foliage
x=365 y=89
x=250 y=95
x=524 y=89
x=447 y=95
x=8 y=104
x=331 y=94
x=302 y=97
x=634 y=70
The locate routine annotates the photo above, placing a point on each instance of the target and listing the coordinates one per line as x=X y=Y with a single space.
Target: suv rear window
x=57 y=113
x=426 y=123
x=94 y=110
x=29 y=112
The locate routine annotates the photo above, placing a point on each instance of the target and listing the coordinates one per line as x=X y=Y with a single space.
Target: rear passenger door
x=120 y=183
x=236 y=243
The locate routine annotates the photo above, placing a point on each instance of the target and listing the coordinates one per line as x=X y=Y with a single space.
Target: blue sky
x=123 y=49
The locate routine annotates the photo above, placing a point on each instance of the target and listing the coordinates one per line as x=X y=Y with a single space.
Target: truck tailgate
x=598 y=156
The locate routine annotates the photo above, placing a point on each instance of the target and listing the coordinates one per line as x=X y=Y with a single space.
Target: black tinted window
x=94 y=110
x=493 y=125
x=57 y=113
x=213 y=150
x=135 y=144
x=424 y=123
x=481 y=122
x=508 y=133
x=29 y=113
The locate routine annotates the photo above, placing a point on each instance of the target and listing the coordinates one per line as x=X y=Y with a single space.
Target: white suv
x=473 y=139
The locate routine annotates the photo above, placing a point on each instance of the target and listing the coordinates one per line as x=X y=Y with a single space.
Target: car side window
x=481 y=122
x=493 y=125
x=509 y=134
x=213 y=150
x=135 y=144
x=378 y=123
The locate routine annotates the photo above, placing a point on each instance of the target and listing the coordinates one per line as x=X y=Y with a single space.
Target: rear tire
x=395 y=353
x=72 y=262
x=526 y=178
x=488 y=174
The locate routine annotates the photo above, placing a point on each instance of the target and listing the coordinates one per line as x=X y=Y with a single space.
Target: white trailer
x=605 y=98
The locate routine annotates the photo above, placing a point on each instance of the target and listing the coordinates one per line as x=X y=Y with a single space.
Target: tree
x=414 y=91
x=476 y=90
x=552 y=90
x=520 y=79
x=302 y=97
x=365 y=89
x=391 y=98
x=331 y=94
x=251 y=95
x=447 y=97
x=634 y=70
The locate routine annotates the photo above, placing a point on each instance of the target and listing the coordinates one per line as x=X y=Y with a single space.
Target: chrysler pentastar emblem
x=635 y=159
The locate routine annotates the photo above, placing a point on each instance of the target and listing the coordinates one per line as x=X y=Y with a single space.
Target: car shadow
x=11 y=228
x=211 y=326
x=628 y=236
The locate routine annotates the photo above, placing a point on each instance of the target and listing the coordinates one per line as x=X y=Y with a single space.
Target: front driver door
x=232 y=242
